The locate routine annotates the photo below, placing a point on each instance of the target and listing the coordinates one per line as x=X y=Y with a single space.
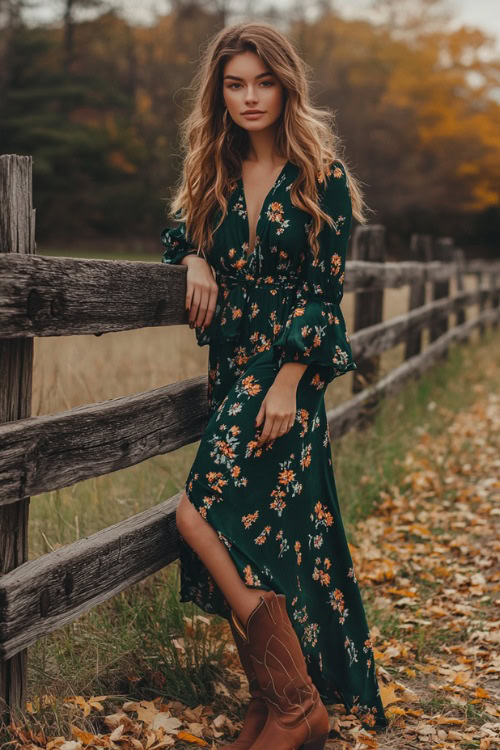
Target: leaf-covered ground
x=428 y=566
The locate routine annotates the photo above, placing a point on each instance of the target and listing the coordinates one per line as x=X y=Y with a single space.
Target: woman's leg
x=203 y=539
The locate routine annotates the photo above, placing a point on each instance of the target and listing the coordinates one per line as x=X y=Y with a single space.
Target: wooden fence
x=46 y=296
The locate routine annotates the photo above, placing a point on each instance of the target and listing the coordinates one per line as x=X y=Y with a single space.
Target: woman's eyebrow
x=261 y=75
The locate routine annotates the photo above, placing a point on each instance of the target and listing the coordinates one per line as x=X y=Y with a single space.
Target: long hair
x=214 y=146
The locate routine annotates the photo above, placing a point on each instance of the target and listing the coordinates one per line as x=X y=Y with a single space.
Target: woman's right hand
x=201 y=291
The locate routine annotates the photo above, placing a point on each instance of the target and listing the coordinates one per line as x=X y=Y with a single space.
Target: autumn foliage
x=97 y=104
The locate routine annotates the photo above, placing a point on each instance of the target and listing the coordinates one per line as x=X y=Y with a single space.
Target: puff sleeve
x=315 y=331
x=177 y=244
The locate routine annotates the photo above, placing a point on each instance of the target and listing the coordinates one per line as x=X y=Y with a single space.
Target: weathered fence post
x=482 y=300
x=441 y=288
x=421 y=252
x=495 y=296
x=458 y=257
x=368 y=244
x=17 y=235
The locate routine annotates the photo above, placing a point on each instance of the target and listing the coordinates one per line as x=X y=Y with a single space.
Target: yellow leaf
x=388 y=695
x=188 y=737
x=87 y=737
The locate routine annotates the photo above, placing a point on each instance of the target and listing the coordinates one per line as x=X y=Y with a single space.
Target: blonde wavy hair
x=214 y=146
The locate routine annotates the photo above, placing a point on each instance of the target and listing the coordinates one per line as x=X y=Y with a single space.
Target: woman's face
x=249 y=85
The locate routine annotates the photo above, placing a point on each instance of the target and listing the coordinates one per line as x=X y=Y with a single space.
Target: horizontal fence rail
x=41 y=595
x=47 y=296
x=40 y=454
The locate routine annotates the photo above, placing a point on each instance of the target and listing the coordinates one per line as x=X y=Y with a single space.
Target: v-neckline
x=259 y=215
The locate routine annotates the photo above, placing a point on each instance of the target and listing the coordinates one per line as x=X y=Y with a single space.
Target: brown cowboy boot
x=297 y=718
x=256 y=714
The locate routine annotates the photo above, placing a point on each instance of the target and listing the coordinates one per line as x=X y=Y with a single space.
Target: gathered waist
x=235 y=298
x=237 y=302
x=246 y=279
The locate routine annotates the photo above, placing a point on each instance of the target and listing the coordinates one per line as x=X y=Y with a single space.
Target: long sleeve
x=315 y=331
x=177 y=244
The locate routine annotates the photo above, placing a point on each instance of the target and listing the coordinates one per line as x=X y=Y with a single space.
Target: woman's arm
x=201 y=291
x=289 y=374
x=201 y=288
x=279 y=404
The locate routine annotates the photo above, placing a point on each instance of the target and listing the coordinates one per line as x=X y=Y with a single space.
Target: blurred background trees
x=96 y=99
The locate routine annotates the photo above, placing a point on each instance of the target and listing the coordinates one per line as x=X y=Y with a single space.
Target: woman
x=266 y=205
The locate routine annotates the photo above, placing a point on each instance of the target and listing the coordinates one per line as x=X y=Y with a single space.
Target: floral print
x=275 y=507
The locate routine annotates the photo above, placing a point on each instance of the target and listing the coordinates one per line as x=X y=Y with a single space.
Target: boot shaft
x=278 y=662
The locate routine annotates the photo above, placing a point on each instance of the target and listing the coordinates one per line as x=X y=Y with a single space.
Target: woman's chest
x=280 y=230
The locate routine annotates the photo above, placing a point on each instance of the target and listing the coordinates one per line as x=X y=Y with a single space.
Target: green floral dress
x=275 y=507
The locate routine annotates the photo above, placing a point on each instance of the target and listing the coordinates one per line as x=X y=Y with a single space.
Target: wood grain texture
x=17 y=234
x=46 y=296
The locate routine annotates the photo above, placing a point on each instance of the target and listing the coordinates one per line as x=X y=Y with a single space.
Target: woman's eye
x=269 y=83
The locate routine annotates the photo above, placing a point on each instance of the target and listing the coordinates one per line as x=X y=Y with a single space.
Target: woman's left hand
x=278 y=409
